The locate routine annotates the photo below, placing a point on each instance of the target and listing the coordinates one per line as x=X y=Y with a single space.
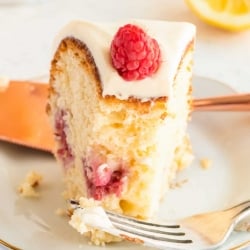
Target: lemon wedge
x=232 y=15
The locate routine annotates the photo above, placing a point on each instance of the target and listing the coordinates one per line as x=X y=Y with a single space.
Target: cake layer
x=114 y=150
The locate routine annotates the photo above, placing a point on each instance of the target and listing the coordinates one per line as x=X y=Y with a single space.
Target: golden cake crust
x=88 y=63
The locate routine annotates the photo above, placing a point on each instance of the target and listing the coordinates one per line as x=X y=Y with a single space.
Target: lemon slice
x=232 y=15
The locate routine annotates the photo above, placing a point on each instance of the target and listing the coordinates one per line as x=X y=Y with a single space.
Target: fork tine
x=137 y=221
x=127 y=218
x=149 y=230
x=201 y=231
x=143 y=229
x=162 y=236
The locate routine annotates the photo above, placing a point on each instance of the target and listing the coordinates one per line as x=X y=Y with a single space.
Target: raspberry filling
x=103 y=176
x=64 y=151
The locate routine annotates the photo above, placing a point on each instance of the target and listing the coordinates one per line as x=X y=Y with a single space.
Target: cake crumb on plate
x=62 y=212
x=178 y=184
x=28 y=188
x=205 y=163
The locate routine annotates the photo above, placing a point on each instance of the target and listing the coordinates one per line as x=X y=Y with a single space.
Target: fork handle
x=236 y=102
x=240 y=211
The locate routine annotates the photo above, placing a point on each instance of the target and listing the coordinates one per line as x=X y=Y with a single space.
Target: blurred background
x=27 y=29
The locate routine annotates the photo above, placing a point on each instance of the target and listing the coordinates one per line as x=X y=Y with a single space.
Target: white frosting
x=173 y=38
x=86 y=219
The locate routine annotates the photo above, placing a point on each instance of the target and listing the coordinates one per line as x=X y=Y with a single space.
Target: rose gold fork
x=23 y=119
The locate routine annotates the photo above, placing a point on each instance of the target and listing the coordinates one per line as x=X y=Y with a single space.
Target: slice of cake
x=120 y=99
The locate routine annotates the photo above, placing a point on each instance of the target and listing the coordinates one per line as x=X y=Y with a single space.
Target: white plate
x=223 y=137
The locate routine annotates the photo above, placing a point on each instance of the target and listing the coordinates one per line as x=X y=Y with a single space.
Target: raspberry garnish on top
x=134 y=54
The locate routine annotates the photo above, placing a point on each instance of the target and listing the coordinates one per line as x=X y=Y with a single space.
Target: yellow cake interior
x=139 y=139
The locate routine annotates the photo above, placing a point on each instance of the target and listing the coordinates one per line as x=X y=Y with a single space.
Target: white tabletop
x=27 y=32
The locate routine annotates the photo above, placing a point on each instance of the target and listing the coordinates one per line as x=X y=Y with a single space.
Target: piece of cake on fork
x=120 y=100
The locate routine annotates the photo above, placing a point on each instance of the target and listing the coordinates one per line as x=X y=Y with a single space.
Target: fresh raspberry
x=134 y=54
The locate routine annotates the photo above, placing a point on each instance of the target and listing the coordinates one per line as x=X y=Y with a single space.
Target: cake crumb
x=183 y=155
x=205 y=163
x=62 y=212
x=28 y=188
x=178 y=184
x=96 y=236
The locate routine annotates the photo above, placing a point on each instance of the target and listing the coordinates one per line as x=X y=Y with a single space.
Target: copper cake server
x=23 y=119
